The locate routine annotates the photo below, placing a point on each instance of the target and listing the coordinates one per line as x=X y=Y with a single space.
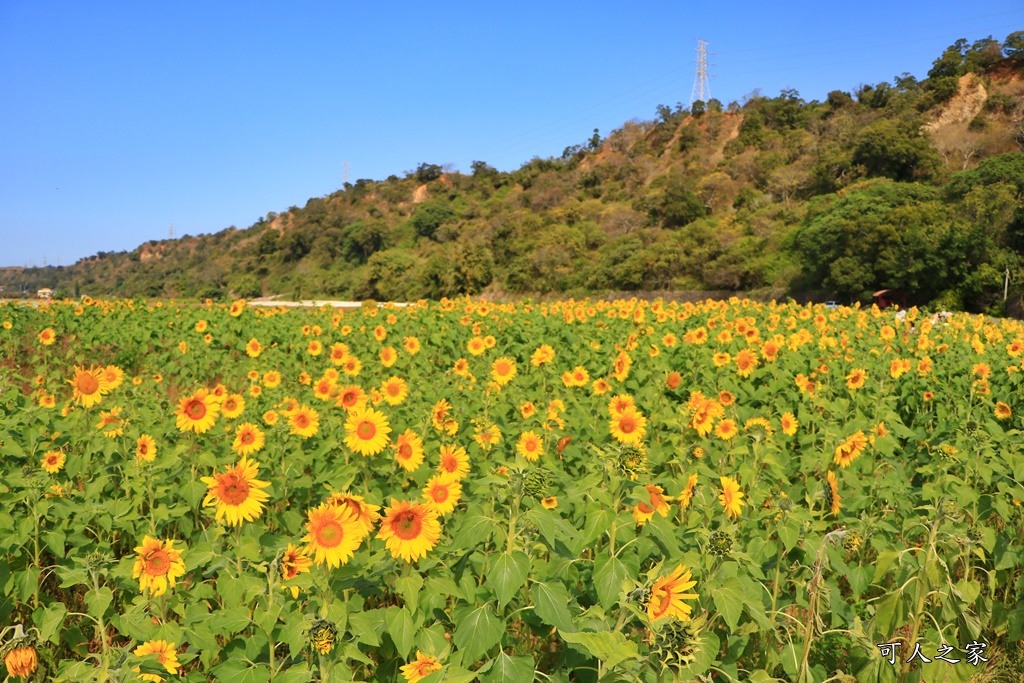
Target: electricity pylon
x=701 y=90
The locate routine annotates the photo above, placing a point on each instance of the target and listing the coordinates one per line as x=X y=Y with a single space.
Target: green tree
x=425 y=172
x=1013 y=46
x=895 y=150
x=247 y=287
x=430 y=215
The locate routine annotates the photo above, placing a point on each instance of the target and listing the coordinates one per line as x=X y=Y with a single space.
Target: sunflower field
x=457 y=491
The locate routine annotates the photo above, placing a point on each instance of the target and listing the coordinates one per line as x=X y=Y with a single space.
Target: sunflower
x=48 y=400
x=157 y=564
x=543 y=354
x=659 y=501
x=726 y=398
x=201 y=326
x=272 y=379
x=600 y=386
x=439 y=413
x=388 y=356
x=628 y=426
x=833 y=493
x=237 y=493
x=476 y=346
x=89 y=386
x=166 y=653
x=856 y=378
x=726 y=429
x=410 y=529
x=731 y=497
x=850 y=449
x=53 y=461
x=112 y=376
x=487 y=437
x=619 y=403
x=249 y=439
x=411 y=345
x=746 y=361
x=333 y=535
x=271 y=417
x=253 y=348
x=1002 y=410
x=409 y=450
x=232 y=406
x=673 y=380
x=350 y=397
x=145 y=448
x=577 y=377
x=527 y=410
x=642 y=513
x=668 y=593
x=621 y=365
x=503 y=370
x=530 y=446
x=721 y=359
x=789 y=424
x=549 y=503
x=295 y=561
x=324 y=388
x=365 y=513
x=421 y=668
x=454 y=460
x=21 y=658
x=197 y=412
x=305 y=422
x=47 y=337
x=220 y=392
x=394 y=390
x=315 y=348
x=367 y=431
x=687 y=494
x=237 y=307
x=352 y=366
x=705 y=414
x=442 y=493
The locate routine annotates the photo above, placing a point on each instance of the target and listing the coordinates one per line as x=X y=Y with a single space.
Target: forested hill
x=916 y=185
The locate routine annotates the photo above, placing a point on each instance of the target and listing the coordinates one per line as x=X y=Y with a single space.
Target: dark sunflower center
x=157 y=563
x=234 y=490
x=195 y=409
x=330 y=534
x=366 y=430
x=88 y=384
x=407 y=525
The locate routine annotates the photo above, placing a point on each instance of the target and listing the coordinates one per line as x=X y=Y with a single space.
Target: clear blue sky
x=120 y=119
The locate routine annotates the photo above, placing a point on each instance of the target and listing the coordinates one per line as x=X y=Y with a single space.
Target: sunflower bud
x=720 y=543
x=322 y=635
x=632 y=461
x=674 y=645
x=785 y=503
x=536 y=481
x=852 y=541
x=827 y=491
